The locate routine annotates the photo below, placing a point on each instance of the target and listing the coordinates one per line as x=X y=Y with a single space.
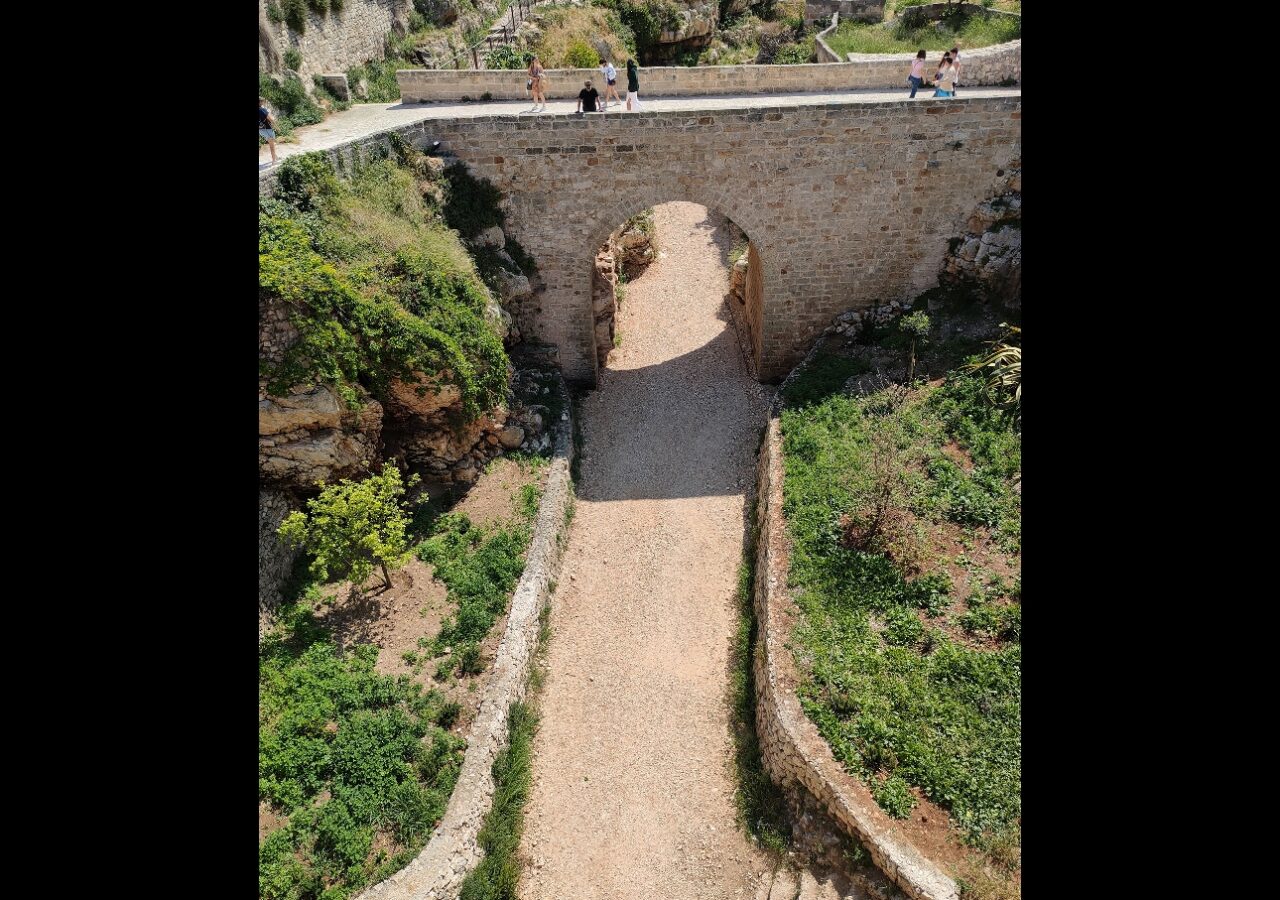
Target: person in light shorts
x=267 y=127
x=610 y=82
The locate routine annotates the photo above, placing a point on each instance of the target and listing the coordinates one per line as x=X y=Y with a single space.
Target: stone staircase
x=790 y=884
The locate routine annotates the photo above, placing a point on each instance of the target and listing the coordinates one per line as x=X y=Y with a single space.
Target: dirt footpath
x=633 y=785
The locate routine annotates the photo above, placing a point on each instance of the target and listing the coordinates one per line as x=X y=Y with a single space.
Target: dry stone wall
x=850 y=10
x=332 y=42
x=795 y=754
x=275 y=559
x=453 y=851
x=994 y=65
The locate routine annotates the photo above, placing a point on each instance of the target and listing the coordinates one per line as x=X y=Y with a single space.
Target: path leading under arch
x=633 y=787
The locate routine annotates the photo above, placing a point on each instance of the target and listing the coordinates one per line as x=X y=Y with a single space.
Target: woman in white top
x=945 y=80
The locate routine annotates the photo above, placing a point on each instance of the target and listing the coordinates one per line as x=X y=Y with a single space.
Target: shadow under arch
x=743 y=212
x=657 y=450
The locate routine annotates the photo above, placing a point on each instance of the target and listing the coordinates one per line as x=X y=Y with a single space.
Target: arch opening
x=712 y=255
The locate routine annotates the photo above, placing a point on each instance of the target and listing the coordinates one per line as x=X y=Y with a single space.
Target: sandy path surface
x=633 y=786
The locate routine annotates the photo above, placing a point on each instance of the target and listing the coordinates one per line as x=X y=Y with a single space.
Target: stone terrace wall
x=989 y=65
x=850 y=10
x=824 y=53
x=995 y=65
x=453 y=851
x=795 y=754
x=333 y=42
x=934 y=12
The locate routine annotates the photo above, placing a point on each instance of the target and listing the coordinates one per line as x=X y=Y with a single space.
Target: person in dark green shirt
x=633 y=86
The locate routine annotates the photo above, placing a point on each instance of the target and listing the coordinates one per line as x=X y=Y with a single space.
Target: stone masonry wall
x=453 y=851
x=333 y=42
x=985 y=66
x=795 y=754
x=847 y=205
x=820 y=48
x=850 y=10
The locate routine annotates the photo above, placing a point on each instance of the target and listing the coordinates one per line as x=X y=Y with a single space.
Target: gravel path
x=633 y=786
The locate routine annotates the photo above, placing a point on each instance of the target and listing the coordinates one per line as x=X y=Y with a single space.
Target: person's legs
x=271 y=142
x=915 y=84
x=629 y=96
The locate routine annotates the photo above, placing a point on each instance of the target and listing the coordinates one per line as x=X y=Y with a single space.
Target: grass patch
x=892 y=679
x=897 y=36
x=498 y=875
x=480 y=567
x=761 y=806
x=350 y=757
x=824 y=375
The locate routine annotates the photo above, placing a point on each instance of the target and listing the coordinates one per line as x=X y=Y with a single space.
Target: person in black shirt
x=587 y=99
x=267 y=127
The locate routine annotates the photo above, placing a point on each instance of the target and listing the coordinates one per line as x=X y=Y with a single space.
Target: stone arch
x=742 y=213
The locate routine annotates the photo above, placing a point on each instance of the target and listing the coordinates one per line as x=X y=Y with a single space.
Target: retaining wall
x=453 y=851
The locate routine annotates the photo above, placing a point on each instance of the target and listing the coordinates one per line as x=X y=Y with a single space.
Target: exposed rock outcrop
x=309 y=436
x=988 y=255
x=275 y=558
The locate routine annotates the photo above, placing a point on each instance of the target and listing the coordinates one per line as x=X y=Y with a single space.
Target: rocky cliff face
x=988 y=255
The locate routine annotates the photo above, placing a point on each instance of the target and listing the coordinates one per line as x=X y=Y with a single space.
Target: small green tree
x=354 y=526
x=916 y=327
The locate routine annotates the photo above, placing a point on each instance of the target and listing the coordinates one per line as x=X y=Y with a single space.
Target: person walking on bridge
x=955 y=61
x=536 y=79
x=945 y=80
x=633 y=86
x=267 y=127
x=916 y=78
x=610 y=82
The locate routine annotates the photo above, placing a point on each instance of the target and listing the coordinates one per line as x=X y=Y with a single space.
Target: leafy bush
x=289 y=101
x=579 y=55
x=646 y=20
x=508 y=56
x=275 y=13
x=894 y=797
x=793 y=54
x=293 y=59
x=295 y=13
x=377 y=287
x=354 y=526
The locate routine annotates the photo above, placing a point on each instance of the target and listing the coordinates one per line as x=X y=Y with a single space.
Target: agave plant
x=1004 y=364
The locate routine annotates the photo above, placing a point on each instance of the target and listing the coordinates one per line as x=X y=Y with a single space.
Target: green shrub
x=275 y=13
x=508 y=56
x=289 y=101
x=579 y=55
x=354 y=526
x=293 y=59
x=378 y=288
x=295 y=13
x=894 y=797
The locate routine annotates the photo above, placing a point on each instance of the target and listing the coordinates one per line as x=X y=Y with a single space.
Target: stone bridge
x=846 y=204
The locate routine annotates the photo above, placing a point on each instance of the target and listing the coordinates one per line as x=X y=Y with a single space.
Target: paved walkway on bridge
x=364 y=119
